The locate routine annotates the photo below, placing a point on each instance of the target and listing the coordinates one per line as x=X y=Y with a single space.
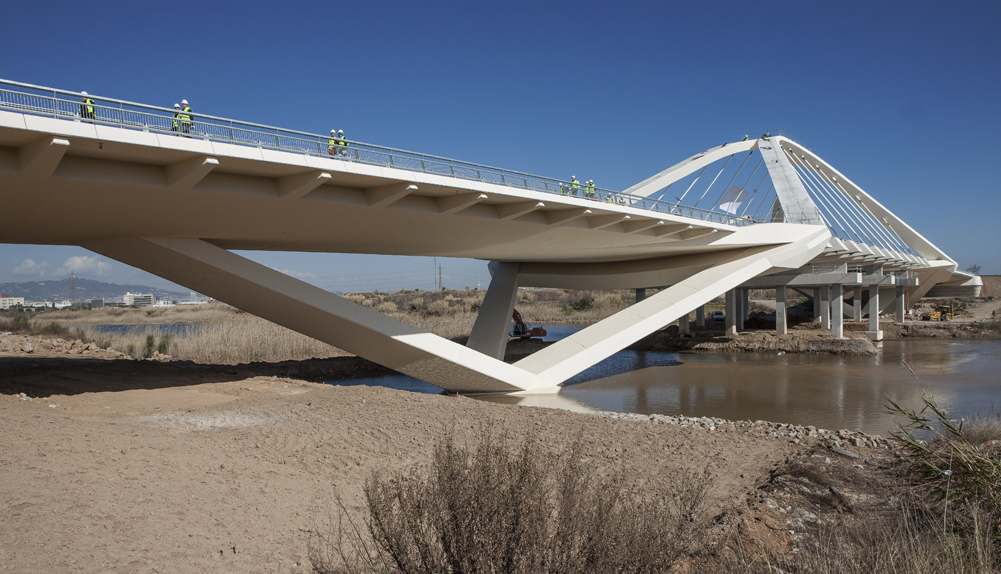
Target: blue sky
x=902 y=97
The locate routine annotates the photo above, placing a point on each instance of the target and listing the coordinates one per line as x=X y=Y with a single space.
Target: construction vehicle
x=944 y=313
x=523 y=330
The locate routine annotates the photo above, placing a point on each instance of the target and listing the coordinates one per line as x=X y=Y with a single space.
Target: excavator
x=944 y=313
x=523 y=330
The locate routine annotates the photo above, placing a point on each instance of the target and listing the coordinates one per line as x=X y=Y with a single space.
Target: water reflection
x=822 y=390
x=828 y=391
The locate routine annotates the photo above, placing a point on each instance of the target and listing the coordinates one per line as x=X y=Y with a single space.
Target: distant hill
x=85 y=290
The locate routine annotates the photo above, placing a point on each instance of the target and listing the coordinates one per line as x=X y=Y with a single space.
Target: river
x=827 y=391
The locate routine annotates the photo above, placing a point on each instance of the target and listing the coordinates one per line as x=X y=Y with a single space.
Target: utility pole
x=73 y=287
x=439 y=278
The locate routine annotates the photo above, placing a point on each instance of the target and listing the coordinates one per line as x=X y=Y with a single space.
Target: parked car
x=717 y=316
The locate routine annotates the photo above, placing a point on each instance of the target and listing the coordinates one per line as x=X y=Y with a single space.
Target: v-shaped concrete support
x=299 y=306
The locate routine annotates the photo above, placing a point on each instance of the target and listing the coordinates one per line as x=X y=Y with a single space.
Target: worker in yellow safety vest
x=574 y=184
x=185 y=117
x=87 y=107
x=590 y=191
x=332 y=143
x=342 y=143
x=177 y=117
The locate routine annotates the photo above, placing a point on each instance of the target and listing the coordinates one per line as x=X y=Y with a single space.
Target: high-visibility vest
x=331 y=143
x=342 y=141
x=90 y=105
x=185 y=118
x=575 y=184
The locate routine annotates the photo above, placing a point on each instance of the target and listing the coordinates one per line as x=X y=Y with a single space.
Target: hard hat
x=333 y=131
x=185 y=102
x=573 y=177
x=177 y=105
x=340 y=131
x=83 y=93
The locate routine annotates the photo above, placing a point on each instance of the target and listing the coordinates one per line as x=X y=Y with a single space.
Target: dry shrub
x=18 y=323
x=387 y=307
x=439 y=307
x=497 y=509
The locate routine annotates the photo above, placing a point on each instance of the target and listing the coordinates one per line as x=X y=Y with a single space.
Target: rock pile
x=795 y=433
x=10 y=343
x=759 y=341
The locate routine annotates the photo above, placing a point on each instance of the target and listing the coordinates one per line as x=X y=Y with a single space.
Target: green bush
x=164 y=345
x=149 y=347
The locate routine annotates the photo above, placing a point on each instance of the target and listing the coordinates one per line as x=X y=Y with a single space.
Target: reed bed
x=220 y=334
x=142 y=316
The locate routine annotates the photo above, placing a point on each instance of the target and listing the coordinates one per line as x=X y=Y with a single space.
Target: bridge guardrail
x=61 y=104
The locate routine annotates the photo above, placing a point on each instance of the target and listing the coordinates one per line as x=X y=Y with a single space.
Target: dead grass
x=911 y=539
x=142 y=316
x=502 y=509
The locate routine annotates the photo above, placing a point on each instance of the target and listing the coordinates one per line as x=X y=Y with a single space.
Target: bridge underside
x=694 y=281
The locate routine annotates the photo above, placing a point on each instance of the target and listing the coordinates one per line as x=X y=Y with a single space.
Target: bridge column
x=857 y=304
x=640 y=295
x=900 y=303
x=825 y=307
x=700 y=316
x=490 y=331
x=730 y=298
x=781 y=326
x=874 y=307
x=837 y=311
x=683 y=325
x=816 y=303
x=745 y=307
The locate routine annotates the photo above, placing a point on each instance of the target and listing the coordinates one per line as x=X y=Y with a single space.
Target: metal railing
x=70 y=106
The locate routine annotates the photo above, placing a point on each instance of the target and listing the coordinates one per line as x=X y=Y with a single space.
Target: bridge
x=123 y=180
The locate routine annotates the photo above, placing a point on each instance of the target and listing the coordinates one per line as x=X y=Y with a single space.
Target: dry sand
x=139 y=466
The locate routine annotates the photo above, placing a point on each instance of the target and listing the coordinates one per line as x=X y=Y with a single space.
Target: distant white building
x=138 y=299
x=6 y=302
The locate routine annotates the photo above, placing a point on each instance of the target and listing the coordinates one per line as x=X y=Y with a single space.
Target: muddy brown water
x=826 y=391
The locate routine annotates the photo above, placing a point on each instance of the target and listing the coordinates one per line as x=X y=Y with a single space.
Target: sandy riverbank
x=115 y=465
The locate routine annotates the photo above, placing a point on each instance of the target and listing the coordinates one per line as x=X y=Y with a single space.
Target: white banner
x=731 y=201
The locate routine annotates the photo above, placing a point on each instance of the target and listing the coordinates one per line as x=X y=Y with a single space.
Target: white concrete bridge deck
x=126 y=186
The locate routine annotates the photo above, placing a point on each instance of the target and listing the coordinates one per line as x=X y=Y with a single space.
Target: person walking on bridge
x=590 y=192
x=87 y=107
x=574 y=185
x=177 y=118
